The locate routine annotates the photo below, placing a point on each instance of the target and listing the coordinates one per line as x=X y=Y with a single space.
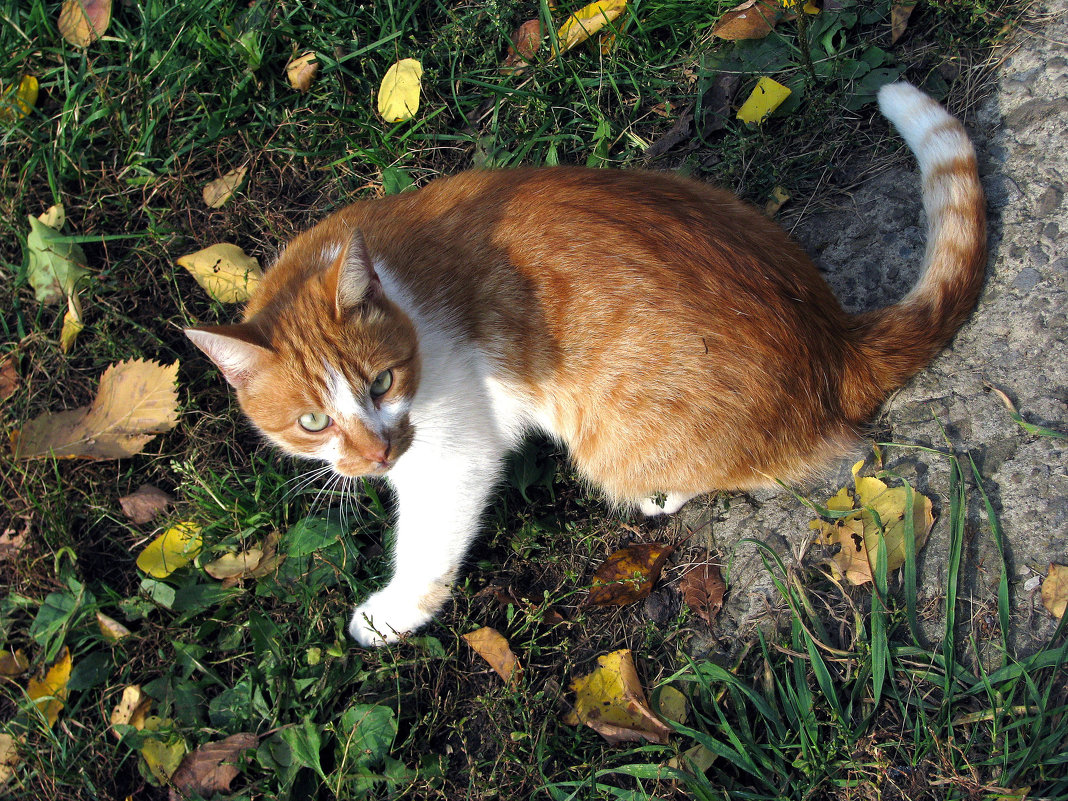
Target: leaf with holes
x=611 y=701
x=136 y=401
x=702 y=590
x=224 y=271
x=629 y=574
x=488 y=643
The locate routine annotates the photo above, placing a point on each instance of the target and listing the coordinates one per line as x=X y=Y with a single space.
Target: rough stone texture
x=870 y=250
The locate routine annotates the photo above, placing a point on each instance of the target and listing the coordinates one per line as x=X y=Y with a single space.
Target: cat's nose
x=378 y=454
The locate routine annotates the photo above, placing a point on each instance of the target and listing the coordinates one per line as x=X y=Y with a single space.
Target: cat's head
x=325 y=365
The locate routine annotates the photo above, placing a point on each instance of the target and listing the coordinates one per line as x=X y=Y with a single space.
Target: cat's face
x=327 y=367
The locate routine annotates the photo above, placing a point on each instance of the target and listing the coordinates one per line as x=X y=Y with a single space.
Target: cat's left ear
x=357 y=281
x=235 y=349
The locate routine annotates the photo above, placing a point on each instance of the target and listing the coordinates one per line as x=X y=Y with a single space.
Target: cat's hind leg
x=657 y=505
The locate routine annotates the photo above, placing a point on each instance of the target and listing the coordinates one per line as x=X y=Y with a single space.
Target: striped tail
x=896 y=342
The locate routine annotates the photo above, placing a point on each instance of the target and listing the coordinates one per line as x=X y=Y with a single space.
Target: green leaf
x=55 y=263
x=395 y=180
x=365 y=733
x=54 y=618
x=305 y=743
x=313 y=533
x=90 y=671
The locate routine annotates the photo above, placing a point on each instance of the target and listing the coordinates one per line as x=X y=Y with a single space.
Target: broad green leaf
x=56 y=264
x=365 y=733
x=305 y=743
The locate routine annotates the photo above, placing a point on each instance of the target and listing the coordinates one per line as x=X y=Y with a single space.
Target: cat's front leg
x=440 y=507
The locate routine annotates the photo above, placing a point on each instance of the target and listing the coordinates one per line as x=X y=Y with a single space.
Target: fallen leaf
x=766 y=96
x=72 y=323
x=1055 y=590
x=145 y=504
x=526 y=39
x=49 y=693
x=696 y=760
x=9 y=378
x=673 y=705
x=136 y=401
x=587 y=21
x=54 y=217
x=235 y=565
x=112 y=629
x=491 y=646
x=776 y=199
x=212 y=767
x=899 y=19
x=610 y=700
x=81 y=22
x=398 y=94
x=224 y=271
x=717 y=103
x=14 y=664
x=301 y=71
x=162 y=756
x=268 y=563
x=702 y=590
x=132 y=710
x=12 y=541
x=174 y=548
x=629 y=574
x=753 y=19
x=858 y=534
x=17 y=102
x=9 y=758
x=56 y=265
x=217 y=192
x=679 y=132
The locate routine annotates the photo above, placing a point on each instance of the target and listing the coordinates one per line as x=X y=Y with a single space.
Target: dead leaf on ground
x=136 y=401
x=629 y=574
x=702 y=590
x=72 y=323
x=526 y=39
x=716 y=103
x=679 y=132
x=611 y=701
x=112 y=629
x=776 y=199
x=145 y=504
x=858 y=534
x=50 y=692
x=398 y=94
x=12 y=541
x=18 y=100
x=301 y=71
x=174 y=548
x=587 y=21
x=212 y=767
x=163 y=753
x=899 y=19
x=224 y=271
x=132 y=710
x=14 y=664
x=488 y=643
x=753 y=19
x=9 y=757
x=217 y=192
x=1055 y=590
x=82 y=22
x=235 y=565
x=9 y=378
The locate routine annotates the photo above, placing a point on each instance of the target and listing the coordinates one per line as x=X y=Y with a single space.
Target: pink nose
x=378 y=454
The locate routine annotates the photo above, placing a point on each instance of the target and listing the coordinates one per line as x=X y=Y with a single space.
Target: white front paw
x=386 y=616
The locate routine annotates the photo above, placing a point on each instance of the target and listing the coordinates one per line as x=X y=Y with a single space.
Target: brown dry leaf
x=112 y=629
x=136 y=401
x=217 y=192
x=526 y=39
x=268 y=563
x=49 y=693
x=899 y=19
x=9 y=757
x=145 y=504
x=235 y=565
x=81 y=22
x=493 y=647
x=9 y=378
x=587 y=21
x=702 y=590
x=212 y=767
x=629 y=574
x=753 y=19
x=1055 y=590
x=15 y=664
x=13 y=541
x=301 y=71
x=858 y=534
x=610 y=700
x=132 y=710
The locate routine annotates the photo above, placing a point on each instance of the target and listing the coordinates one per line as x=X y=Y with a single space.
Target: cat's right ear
x=233 y=348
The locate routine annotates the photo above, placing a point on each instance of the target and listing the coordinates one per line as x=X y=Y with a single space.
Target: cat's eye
x=380 y=386
x=313 y=421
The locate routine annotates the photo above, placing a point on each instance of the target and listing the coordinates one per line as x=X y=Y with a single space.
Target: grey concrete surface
x=870 y=247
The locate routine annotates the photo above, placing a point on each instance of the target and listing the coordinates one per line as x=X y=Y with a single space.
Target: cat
x=675 y=340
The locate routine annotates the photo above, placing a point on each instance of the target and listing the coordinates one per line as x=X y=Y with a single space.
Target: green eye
x=383 y=381
x=313 y=421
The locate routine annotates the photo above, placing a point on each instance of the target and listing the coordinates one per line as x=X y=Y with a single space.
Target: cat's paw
x=661 y=505
x=391 y=613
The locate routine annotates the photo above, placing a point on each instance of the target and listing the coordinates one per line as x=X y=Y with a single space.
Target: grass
x=847 y=702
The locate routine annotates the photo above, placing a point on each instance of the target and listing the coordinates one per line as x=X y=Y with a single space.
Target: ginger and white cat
x=673 y=338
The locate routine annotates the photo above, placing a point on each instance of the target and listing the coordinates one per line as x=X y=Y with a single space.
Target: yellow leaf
x=766 y=96
x=49 y=693
x=398 y=96
x=174 y=548
x=136 y=400
x=1055 y=590
x=673 y=704
x=162 y=754
x=82 y=22
x=899 y=19
x=72 y=323
x=217 y=192
x=14 y=664
x=301 y=71
x=694 y=760
x=9 y=758
x=18 y=101
x=610 y=700
x=585 y=22
x=491 y=646
x=775 y=202
x=225 y=272
x=112 y=629
x=235 y=565
x=628 y=575
x=132 y=710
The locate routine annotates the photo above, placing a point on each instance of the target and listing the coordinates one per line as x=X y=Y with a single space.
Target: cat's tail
x=897 y=341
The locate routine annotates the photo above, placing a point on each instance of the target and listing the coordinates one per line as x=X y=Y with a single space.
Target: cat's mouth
x=381 y=460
